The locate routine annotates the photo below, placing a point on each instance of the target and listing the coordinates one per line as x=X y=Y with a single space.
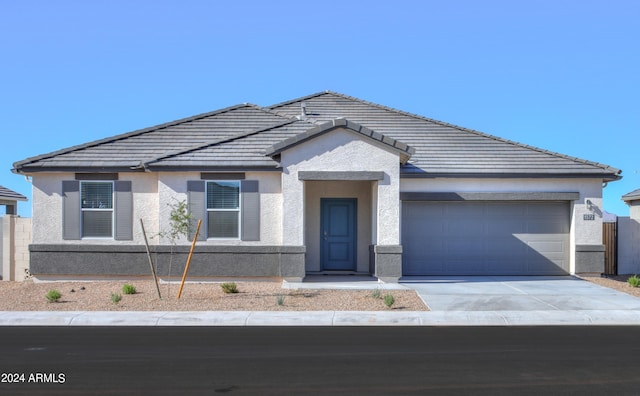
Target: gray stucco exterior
x=285 y=162
x=208 y=261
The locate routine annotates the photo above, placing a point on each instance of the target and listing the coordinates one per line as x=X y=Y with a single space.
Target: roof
x=248 y=137
x=632 y=196
x=10 y=195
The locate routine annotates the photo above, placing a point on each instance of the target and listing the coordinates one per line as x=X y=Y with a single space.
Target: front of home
x=324 y=184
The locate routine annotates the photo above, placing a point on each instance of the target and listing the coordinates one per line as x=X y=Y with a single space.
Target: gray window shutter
x=197 y=208
x=124 y=210
x=70 y=209
x=250 y=210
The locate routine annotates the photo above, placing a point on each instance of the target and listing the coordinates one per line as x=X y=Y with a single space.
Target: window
x=97 y=209
x=223 y=209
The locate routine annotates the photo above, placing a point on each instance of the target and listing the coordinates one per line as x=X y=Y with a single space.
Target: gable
x=403 y=150
x=340 y=150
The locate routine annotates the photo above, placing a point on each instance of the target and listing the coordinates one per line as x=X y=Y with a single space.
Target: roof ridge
x=476 y=132
x=298 y=99
x=136 y=132
x=219 y=141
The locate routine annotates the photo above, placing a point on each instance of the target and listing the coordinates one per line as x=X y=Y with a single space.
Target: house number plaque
x=589 y=217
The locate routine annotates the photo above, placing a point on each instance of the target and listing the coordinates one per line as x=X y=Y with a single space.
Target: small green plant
x=53 y=296
x=128 y=289
x=375 y=293
x=634 y=281
x=229 y=287
x=116 y=297
x=280 y=300
x=389 y=300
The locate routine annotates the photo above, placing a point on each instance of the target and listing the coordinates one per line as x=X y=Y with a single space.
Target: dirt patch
x=252 y=296
x=617 y=282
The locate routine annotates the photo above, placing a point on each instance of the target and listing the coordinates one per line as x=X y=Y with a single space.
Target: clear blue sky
x=560 y=75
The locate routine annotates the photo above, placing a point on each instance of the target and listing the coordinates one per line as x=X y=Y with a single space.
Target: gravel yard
x=252 y=296
x=617 y=282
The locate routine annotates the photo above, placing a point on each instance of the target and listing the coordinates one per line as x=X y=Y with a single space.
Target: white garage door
x=485 y=238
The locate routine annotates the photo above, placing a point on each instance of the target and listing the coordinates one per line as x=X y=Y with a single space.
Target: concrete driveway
x=517 y=293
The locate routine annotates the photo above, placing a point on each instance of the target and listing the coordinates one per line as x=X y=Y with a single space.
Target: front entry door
x=338 y=234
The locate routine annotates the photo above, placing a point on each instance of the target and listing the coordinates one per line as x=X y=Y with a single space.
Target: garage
x=485 y=237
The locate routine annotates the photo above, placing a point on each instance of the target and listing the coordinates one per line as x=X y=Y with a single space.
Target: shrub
x=229 y=287
x=128 y=289
x=116 y=297
x=634 y=281
x=280 y=301
x=375 y=293
x=53 y=296
x=389 y=300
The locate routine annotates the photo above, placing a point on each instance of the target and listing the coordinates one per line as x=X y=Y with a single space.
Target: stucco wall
x=341 y=150
x=314 y=190
x=583 y=232
x=172 y=186
x=152 y=195
x=47 y=207
x=629 y=241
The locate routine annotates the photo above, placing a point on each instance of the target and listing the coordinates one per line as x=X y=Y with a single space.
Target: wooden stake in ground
x=153 y=270
x=186 y=267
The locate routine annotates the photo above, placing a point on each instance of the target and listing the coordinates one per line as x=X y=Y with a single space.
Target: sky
x=560 y=75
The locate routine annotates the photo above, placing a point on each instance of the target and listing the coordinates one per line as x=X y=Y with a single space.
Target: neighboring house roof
x=244 y=136
x=632 y=196
x=10 y=195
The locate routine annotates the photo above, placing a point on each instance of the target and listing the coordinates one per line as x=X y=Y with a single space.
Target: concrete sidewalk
x=323 y=318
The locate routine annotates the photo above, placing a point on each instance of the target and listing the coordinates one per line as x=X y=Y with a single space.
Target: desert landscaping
x=204 y=296
x=210 y=296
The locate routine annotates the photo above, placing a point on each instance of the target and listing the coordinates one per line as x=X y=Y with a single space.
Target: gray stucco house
x=325 y=183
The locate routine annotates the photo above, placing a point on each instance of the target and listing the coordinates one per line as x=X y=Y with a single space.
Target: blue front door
x=338 y=234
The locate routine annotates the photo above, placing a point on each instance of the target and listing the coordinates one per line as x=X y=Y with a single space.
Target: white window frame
x=112 y=210
x=239 y=210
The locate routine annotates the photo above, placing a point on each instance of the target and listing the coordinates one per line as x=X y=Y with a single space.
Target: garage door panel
x=506 y=209
x=547 y=247
x=547 y=227
x=500 y=227
x=465 y=228
x=485 y=238
x=505 y=247
x=462 y=209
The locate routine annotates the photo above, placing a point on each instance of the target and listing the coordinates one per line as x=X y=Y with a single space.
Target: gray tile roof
x=444 y=149
x=10 y=195
x=632 y=196
x=241 y=136
x=131 y=150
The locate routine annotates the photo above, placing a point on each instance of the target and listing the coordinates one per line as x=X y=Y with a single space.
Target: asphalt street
x=566 y=360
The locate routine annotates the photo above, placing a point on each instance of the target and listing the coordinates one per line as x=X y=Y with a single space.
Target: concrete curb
x=322 y=318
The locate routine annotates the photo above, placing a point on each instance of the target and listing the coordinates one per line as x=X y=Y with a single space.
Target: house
x=629 y=236
x=9 y=199
x=321 y=184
